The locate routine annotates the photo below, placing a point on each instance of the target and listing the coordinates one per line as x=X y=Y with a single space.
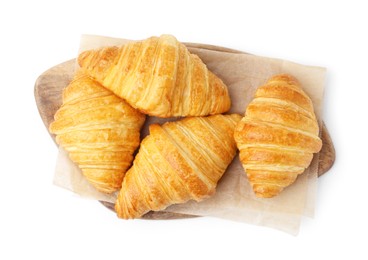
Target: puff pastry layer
x=99 y=130
x=159 y=77
x=177 y=162
x=278 y=135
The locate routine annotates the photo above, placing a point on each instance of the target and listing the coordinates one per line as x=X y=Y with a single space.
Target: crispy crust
x=278 y=135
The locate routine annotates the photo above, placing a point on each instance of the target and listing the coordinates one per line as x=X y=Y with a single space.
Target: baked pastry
x=99 y=130
x=159 y=77
x=278 y=135
x=177 y=162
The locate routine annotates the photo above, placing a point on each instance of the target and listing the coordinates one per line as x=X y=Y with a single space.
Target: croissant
x=159 y=77
x=177 y=162
x=99 y=131
x=278 y=135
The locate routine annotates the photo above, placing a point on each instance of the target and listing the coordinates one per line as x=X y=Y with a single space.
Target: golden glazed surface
x=99 y=131
x=159 y=77
x=177 y=162
x=277 y=136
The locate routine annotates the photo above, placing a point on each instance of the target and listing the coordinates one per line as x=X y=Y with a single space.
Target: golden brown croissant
x=159 y=77
x=99 y=130
x=278 y=135
x=177 y=162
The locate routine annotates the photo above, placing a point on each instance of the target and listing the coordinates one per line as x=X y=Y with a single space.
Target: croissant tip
x=117 y=210
x=82 y=57
x=286 y=78
x=264 y=195
x=236 y=117
x=265 y=191
x=168 y=37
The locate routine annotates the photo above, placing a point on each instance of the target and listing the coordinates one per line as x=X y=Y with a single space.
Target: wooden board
x=48 y=91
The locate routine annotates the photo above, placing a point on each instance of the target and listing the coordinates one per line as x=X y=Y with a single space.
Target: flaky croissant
x=177 y=162
x=278 y=135
x=159 y=77
x=99 y=131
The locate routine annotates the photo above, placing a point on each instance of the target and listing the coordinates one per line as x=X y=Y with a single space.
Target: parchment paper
x=234 y=198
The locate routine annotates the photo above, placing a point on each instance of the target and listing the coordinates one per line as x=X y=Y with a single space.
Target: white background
x=40 y=220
